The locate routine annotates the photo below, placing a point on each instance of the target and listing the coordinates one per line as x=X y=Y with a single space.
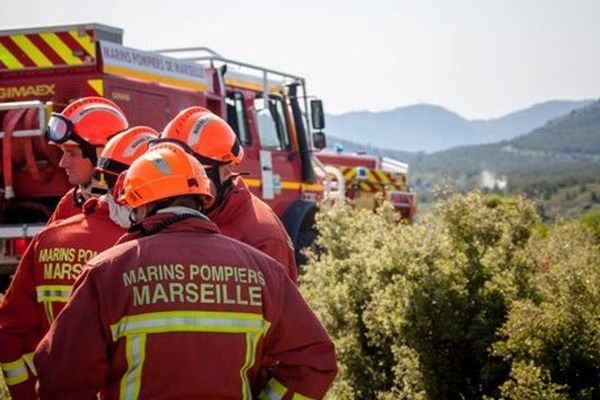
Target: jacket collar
x=95 y=205
x=235 y=198
x=194 y=224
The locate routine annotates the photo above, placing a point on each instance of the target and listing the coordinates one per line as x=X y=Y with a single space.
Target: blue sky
x=480 y=58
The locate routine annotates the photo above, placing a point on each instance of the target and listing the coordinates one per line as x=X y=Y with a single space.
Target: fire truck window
x=284 y=137
x=236 y=117
x=272 y=126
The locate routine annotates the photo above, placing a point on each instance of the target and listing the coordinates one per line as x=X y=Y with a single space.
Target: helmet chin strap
x=222 y=187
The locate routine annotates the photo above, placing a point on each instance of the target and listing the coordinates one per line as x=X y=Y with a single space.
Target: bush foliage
x=478 y=300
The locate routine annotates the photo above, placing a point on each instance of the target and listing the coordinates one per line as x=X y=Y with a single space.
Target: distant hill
x=570 y=139
x=431 y=128
x=559 y=161
x=526 y=120
x=577 y=133
x=353 y=147
x=557 y=164
x=415 y=128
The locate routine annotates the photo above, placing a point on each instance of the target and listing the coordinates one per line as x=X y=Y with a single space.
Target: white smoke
x=489 y=180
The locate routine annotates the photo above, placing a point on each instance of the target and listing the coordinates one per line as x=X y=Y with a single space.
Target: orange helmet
x=209 y=136
x=118 y=154
x=162 y=172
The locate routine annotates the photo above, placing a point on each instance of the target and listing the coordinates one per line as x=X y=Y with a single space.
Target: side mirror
x=317 y=116
x=319 y=140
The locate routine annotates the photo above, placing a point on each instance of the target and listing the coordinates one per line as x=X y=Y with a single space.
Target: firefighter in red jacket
x=81 y=130
x=179 y=310
x=237 y=212
x=53 y=260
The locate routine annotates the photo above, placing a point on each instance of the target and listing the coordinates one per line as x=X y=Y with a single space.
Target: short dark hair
x=189 y=200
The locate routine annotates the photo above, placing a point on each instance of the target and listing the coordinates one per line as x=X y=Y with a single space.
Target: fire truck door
x=279 y=172
x=266 y=172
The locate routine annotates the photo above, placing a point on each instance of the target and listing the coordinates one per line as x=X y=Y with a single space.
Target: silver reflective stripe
x=184 y=323
x=135 y=328
x=252 y=339
x=271 y=393
x=15 y=372
x=28 y=358
x=135 y=355
x=197 y=129
x=274 y=390
x=97 y=107
x=45 y=293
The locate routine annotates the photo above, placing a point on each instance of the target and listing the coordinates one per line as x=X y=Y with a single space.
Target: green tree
x=559 y=331
x=528 y=382
x=414 y=309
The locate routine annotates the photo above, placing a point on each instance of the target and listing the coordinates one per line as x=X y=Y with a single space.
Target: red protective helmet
x=90 y=120
x=207 y=135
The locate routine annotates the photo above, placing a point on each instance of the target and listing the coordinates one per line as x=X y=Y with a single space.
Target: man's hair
x=189 y=200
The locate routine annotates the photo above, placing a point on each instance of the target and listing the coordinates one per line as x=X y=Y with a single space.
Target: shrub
x=528 y=382
x=591 y=219
x=338 y=284
x=414 y=310
x=559 y=331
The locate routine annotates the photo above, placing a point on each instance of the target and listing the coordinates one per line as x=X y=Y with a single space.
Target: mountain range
x=557 y=147
x=557 y=163
x=430 y=128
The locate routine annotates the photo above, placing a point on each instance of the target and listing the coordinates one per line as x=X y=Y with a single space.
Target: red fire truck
x=361 y=177
x=43 y=69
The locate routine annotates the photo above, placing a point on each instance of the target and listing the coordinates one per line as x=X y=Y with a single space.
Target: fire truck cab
x=44 y=69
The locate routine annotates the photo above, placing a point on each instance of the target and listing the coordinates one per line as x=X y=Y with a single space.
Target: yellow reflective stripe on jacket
x=252 y=339
x=53 y=293
x=132 y=380
x=28 y=358
x=273 y=391
x=134 y=329
x=49 y=311
x=14 y=372
x=298 y=396
x=48 y=294
x=189 y=321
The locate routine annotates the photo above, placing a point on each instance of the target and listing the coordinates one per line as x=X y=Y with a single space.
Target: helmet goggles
x=61 y=129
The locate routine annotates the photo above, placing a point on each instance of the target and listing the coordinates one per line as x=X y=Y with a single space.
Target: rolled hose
x=9 y=122
x=30 y=121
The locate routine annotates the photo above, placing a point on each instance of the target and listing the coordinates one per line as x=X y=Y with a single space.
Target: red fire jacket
x=245 y=217
x=66 y=207
x=157 y=317
x=41 y=287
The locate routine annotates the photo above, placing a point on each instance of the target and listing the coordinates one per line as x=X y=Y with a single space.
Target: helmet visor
x=59 y=128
